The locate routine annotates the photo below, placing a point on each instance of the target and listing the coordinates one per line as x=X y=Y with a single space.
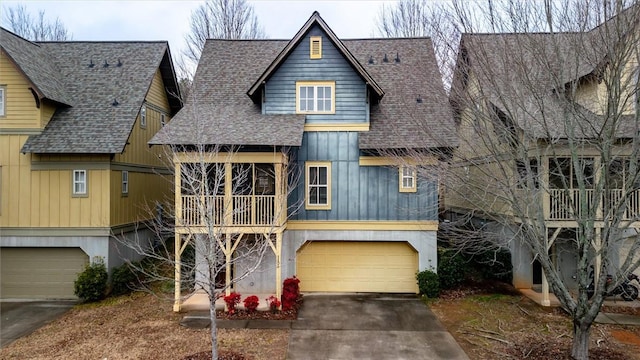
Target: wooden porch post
x=177 y=280
x=279 y=265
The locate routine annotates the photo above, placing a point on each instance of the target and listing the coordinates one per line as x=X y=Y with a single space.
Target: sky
x=169 y=19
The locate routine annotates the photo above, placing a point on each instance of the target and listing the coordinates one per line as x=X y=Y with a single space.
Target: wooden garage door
x=354 y=266
x=40 y=273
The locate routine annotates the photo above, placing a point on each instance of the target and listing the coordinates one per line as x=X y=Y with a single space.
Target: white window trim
x=317 y=164
x=407 y=172
x=143 y=116
x=125 y=182
x=3 y=100
x=316 y=84
x=79 y=187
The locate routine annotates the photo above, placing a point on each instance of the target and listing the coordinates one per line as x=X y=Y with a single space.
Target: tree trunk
x=580 y=347
x=214 y=328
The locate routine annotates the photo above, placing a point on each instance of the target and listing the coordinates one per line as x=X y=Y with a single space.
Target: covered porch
x=229 y=199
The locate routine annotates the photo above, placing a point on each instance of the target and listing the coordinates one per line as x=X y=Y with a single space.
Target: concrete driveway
x=20 y=318
x=364 y=326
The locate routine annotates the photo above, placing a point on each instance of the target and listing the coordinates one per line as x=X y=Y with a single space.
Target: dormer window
x=315 y=97
x=315 y=46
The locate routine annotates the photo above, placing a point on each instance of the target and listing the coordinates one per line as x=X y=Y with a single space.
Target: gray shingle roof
x=37 y=65
x=90 y=122
x=518 y=73
x=218 y=110
x=226 y=115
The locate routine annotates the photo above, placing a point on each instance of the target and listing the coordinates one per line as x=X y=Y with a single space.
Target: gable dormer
x=314 y=42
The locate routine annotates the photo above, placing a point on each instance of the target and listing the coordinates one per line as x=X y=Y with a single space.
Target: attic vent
x=119 y=64
x=106 y=64
x=315 y=47
x=91 y=64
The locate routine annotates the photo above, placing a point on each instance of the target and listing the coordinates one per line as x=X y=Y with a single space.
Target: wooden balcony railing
x=563 y=202
x=246 y=210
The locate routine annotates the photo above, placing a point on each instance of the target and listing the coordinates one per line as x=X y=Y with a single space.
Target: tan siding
x=139 y=204
x=20 y=109
x=42 y=198
x=47 y=111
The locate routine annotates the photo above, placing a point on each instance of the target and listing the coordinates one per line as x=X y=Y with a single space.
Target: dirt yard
x=507 y=325
x=139 y=326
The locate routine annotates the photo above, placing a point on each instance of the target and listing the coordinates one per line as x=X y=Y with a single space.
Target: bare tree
x=226 y=214
x=220 y=19
x=39 y=28
x=422 y=18
x=545 y=97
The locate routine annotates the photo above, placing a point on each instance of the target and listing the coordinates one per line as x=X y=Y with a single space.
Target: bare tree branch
x=38 y=28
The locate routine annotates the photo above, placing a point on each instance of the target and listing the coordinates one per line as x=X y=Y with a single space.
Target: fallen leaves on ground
x=138 y=326
x=493 y=321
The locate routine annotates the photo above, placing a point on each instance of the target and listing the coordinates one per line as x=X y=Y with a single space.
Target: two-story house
x=548 y=131
x=337 y=115
x=75 y=167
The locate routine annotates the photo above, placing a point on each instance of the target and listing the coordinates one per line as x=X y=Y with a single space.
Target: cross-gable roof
x=103 y=85
x=315 y=19
x=547 y=62
x=218 y=110
x=37 y=65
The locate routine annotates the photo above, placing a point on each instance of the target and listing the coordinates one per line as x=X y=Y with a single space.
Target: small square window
x=407 y=179
x=125 y=182
x=143 y=116
x=318 y=184
x=79 y=182
x=3 y=92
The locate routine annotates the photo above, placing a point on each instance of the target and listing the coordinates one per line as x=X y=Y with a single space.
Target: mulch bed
x=291 y=314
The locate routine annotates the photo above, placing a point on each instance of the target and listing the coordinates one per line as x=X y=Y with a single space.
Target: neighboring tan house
x=75 y=167
x=523 y=104
x=332 y=111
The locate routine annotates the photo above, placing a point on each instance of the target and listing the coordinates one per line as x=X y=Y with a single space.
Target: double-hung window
x=318 y=183
x=407 y=179
x=3 y=97
x=143 y=116
x=315 y=97
x=80 y=182
x=125 y=182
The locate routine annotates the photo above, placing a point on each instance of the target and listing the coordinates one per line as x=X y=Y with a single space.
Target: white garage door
x=357 y=266
x=40 y=273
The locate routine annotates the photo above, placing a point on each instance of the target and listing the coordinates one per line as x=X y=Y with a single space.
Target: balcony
x=245 y=211
x=563 y=202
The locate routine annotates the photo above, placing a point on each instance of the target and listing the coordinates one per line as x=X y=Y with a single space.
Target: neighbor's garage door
x=353 y=266
x=39 y=273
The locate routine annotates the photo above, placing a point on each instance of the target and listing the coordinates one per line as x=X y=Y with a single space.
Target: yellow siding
x=145 y=187
x=139 y=204
x=47 y=110
x=42 y=198
x=20 y=109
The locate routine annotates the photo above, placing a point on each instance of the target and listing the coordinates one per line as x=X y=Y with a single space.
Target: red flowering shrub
x=274 y=303
x=251 y=303
x=232 y=300
x=290 y=293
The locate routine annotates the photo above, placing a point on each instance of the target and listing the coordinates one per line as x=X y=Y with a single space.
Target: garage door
x=354 y=266
x=40 y=273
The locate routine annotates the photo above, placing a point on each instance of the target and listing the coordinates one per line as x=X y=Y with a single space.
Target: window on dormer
x=2 y=99
x=315 y=47
x=315 y=97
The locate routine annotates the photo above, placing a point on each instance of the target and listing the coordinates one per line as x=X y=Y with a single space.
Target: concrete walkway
x=364 y=326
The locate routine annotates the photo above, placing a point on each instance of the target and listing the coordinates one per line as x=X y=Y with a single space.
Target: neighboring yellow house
x=548 y=127
x=75 y=168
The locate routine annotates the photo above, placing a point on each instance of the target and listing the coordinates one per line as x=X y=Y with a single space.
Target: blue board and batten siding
x=280 y=89
x=360 y=192
x=357 y=192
